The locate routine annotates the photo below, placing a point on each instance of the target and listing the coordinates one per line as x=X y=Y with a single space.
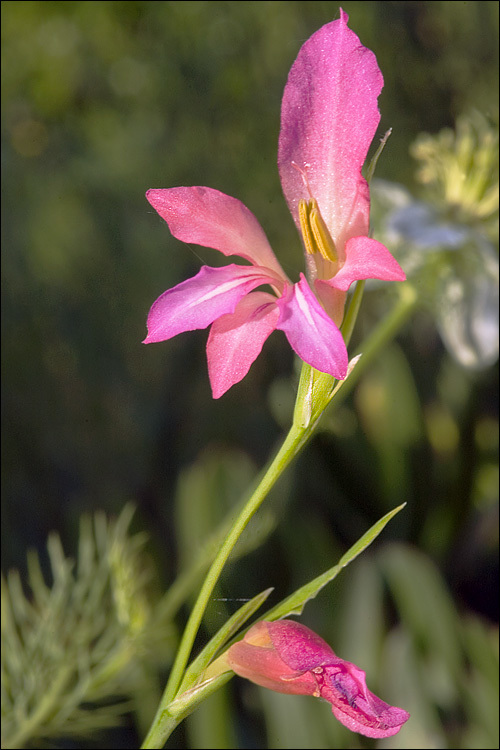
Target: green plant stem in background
x=165 y=722
x=381 y=336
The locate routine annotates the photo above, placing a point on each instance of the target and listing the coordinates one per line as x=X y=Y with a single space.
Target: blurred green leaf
x=427 y=610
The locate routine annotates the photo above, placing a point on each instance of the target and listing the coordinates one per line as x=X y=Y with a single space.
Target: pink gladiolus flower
x=287 y=657
x=329 y=117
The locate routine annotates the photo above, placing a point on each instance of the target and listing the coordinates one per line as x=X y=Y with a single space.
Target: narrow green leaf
x=198 y=666
x=374 y=160
x=187 y=701
x=368 y=537
x=294 y=604
x=351 y=313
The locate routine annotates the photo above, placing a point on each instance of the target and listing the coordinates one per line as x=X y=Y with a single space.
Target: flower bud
x=287 y=657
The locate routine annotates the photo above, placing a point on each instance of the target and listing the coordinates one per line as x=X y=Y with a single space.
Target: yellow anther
x=314 y=231
x=321 y=234
x=305 y=227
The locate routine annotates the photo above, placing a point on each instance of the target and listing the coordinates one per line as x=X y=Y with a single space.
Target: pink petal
x=298 y=646
x=256 y=658
x=236 y=340
x=310 y=332
x=344 y=685
x=365 y=259
x=329 y=116
x=197 y=302
x=213 y=219
x=340 y=682
x=332 y=300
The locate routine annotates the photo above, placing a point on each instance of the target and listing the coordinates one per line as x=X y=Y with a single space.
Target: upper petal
x=310 y=332
x=197 y=302
x=329 y=116
x=366 y=259
x=213 y=219
x=298 y=646
x=235 y=340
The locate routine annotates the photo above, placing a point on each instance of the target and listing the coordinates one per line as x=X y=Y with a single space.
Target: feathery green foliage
x=73 y=651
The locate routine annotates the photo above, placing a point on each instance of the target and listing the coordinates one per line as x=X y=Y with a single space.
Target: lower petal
x=385 y=724
x=311 y=333
x=235 y=340
x=344 y=686
x=366 y=259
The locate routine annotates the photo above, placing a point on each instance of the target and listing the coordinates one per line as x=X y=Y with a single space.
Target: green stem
x=379 y=338
x=164 y=722
x=352 y=311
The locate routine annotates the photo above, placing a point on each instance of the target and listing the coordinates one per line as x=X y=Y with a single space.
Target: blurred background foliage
x=103 y=100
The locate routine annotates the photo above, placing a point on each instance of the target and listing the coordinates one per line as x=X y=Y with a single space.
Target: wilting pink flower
x=329 y=117
x=287 y=657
